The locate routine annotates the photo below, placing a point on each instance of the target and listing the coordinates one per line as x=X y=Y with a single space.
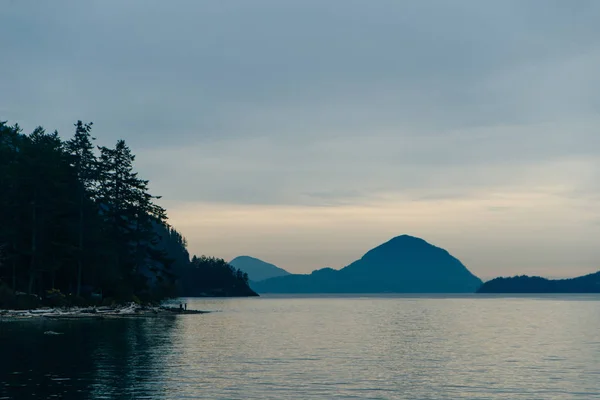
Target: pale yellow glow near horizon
x=538 y=231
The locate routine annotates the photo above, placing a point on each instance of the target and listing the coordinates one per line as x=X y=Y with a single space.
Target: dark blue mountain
x=256 y=269
x=405 y=264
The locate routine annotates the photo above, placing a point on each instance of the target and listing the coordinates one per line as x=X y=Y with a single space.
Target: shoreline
x=124 y=311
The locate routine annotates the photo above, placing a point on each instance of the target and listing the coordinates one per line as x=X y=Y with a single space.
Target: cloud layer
x=306 y=132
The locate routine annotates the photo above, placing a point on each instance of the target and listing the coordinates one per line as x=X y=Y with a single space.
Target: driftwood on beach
x=130 y=310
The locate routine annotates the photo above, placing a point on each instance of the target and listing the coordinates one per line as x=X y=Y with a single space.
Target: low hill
x=405 y=264
x=256 y=269
x=213 y=277
x=535 y=284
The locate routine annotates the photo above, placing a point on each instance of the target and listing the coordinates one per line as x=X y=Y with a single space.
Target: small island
x=535 y=284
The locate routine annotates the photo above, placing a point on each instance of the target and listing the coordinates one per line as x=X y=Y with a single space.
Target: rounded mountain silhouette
x=405 y=264
x=256 y=269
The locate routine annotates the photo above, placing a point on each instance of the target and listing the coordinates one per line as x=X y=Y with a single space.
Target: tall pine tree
x=84 y=161
x=129 y=209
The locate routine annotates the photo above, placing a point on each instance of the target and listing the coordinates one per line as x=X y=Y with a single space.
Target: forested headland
x=78 y=226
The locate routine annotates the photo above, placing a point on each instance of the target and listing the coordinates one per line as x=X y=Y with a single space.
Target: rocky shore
x=122 y=311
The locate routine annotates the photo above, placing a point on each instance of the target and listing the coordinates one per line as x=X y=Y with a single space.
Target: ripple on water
x=299 y=348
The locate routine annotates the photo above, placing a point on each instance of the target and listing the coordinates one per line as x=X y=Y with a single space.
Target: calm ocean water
x=317 y=348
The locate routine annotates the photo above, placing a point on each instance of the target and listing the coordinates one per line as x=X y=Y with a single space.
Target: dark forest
x=79 y=226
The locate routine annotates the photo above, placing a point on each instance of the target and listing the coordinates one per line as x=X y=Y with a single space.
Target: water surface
x=368 y=347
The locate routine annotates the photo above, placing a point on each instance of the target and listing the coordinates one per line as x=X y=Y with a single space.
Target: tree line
x=76 y=219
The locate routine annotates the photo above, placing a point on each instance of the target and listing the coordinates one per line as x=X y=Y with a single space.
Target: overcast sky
x=307 y=132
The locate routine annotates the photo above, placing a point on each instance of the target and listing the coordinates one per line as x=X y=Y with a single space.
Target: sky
x=307 y=132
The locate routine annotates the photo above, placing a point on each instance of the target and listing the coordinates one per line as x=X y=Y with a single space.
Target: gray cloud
x=193 y=68
x=311 y=103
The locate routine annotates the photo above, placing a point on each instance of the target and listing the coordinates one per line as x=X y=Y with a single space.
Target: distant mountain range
x=256 y=269
x=405 y=264
x=535 y=284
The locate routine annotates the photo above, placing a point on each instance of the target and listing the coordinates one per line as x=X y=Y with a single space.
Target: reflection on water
x=369 y=347
x=90 y=359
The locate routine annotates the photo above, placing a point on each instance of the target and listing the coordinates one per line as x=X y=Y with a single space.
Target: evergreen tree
x=128 y=207
x=10 y=140
x=84 y=161
x=45 y=185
